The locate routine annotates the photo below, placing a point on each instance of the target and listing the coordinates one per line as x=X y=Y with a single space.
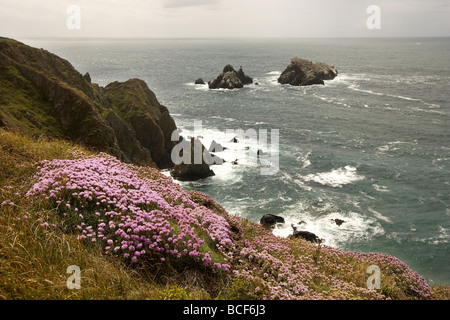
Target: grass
x=36 y=250
x=34 y=260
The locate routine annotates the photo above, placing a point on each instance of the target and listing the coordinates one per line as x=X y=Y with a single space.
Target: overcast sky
x=223 y=18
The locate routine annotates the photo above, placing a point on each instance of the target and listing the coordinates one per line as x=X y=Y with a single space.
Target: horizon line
x=216 y=38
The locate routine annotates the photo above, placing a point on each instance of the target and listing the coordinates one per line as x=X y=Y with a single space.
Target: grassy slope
x=34 y=259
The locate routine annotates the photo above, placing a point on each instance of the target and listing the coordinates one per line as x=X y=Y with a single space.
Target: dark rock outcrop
x=230 y=79
x=42 y=94
x=302 y=72
x=338 y=221
x=309 y=236
x=199 y=81
x=87 y=77
x=215 y=147
x=269 y=221
x=195 y=169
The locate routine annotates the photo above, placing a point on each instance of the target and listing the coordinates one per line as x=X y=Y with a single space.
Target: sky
x=223 y=18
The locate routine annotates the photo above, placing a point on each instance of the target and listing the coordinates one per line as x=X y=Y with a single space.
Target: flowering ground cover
x=99 y=213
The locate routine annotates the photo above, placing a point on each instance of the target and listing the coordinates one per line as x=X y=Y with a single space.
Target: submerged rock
x=269 y=221
x=302 y=72
x=338 y=221
x=230 y=79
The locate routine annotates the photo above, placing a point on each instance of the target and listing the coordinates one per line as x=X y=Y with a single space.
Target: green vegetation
x=36 y=247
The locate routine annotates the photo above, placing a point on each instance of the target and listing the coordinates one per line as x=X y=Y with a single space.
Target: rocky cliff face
x=302 y=72
x=42 y=94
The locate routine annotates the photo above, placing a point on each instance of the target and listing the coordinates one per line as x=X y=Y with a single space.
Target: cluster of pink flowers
x=139 y=214
x=134 y=217
x=318 y=272
x=8 y=203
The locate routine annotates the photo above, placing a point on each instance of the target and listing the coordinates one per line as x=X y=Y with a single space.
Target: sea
x=371 y=147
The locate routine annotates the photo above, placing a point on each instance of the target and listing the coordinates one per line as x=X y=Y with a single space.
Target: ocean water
x=371 y=147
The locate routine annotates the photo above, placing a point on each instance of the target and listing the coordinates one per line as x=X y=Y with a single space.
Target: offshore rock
x=302 y=72
x=199 y=81
x=230 y=79
x=309 y=236
x=193 y=171
x=269 y=221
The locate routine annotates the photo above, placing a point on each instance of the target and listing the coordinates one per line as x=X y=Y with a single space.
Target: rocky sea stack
x=230 y=79
x=302 y=72
x=193 y=169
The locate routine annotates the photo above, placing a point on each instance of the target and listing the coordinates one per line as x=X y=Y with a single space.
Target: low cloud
x=190 y=3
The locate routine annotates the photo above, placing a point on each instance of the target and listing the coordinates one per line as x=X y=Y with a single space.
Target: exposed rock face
x=42 y=94
x=338 y=221
x=199 y=81
x=309 y=236
x=269 y=221
x=302 y=72
x=146 y=117
x=230 y=79
x=193 y=170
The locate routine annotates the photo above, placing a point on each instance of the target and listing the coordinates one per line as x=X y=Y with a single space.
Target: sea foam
x=336 y=177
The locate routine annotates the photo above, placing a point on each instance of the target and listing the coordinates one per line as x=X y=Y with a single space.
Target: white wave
x=355 y=87
x=345 y=78
x=393 y=146
x=442 y=236
x=336 y=177
x=275 y=73
x=380 y=216
x=380 y=188
x=356 y=227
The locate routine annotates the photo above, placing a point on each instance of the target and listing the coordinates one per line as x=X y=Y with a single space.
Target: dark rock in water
x=234 y=140
x=309 y=236
x=338 y=221
x=192 y=171
x=269 y=221
x=235 y=162
x=260 y=152
x=302 y=72
x=230 y=79
x=302 y=222
x=199 y=81
x=215 y=147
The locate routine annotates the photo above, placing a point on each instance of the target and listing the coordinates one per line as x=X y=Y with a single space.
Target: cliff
x=42 y=94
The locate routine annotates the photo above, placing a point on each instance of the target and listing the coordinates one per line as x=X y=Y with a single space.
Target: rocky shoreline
x=271 y=221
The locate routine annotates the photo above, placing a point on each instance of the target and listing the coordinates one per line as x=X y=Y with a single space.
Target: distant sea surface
x=371 y=147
